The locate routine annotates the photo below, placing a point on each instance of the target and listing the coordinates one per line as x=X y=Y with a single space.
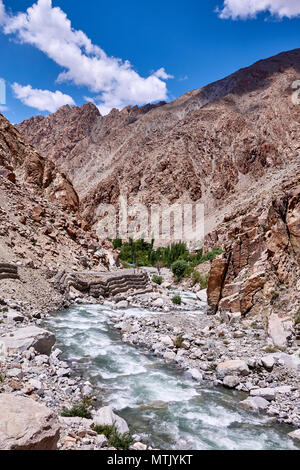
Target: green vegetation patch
x=115 y=439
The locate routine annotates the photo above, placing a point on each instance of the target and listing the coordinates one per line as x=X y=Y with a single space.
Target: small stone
x=101 y=441
x=268 y=363
x=138 y=446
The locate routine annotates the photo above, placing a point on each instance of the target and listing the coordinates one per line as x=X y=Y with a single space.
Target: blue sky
x=172 y=46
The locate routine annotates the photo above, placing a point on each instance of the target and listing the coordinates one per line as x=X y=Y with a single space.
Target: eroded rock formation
x=260 y=268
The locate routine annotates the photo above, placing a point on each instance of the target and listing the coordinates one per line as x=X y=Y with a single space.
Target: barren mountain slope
x=219 y=145
x=41 y=231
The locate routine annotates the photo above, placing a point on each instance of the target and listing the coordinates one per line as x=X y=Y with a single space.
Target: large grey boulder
x=254 y=404
x=26 y=425
x=25 y=338
x=236 y=367
x=266 y=393
x=106 y=417
x=279 y=330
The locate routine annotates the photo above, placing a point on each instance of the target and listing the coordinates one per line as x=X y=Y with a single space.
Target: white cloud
x=84 y=63
x=43 y=100
x=2 y=13
x=250 y=8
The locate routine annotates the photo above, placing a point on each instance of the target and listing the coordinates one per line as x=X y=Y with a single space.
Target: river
x=161 y=405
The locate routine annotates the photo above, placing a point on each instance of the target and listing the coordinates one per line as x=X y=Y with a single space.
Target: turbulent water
x=161 y=405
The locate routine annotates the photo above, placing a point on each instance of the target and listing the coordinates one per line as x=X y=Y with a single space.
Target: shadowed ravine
x=160 y=404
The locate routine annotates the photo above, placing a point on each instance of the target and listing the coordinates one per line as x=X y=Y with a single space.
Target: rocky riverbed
x=224 y=350
x=215 y=351
x=35 y=380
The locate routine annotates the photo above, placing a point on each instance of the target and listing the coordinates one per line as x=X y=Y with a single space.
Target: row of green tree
x=142 y=253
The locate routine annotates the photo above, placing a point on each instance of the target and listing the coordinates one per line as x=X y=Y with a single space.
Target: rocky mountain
x=232 y=145
x=21 y=163
x=219 y=145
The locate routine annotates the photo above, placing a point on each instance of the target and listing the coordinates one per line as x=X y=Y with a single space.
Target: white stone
x=279 y=329
x=169 y=356
x=231 y=381
x=26 y=425
x=268 y=362
x=123 y=305
x=101 y=441
x=295 y=435
x=167 y=341
x=202 y=295
x=266 y=393
x=106 y=417
x=232 y=367
x=254 y=404
x=195 y=374
x=15 y=373
x=159 y=303
x=138 y=446
x=25 y=338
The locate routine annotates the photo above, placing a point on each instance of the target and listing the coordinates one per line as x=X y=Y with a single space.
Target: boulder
x=167 y=341
x=106 y=417
x=25 y=338
x=26 y=425
x=295 y=435
x=169 y=356
x=138 y=446
x=202 y=295
x=231 y=381
x=194 y=374
x=268 y=363
x=159 y=303
x=254 y=404
x=266 y=393
x=279 y=330
x=232 y=368
x=14 y=316
x=123 y=305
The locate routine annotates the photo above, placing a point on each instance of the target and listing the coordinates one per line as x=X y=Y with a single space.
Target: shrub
x=199 y=279
x=178 y=342
x=177 y=300
x=256 y=326
x=115 y=439
x=121 y=441
x=118 y=243
x=297 y=319
x=179 y=269
x=80 y=410
x=5 y=310
x=1 y=378
x=157 y=280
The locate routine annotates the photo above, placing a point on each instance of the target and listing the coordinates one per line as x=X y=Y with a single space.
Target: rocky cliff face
x=220 y=144
x=259 y=272
x=21 y=163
